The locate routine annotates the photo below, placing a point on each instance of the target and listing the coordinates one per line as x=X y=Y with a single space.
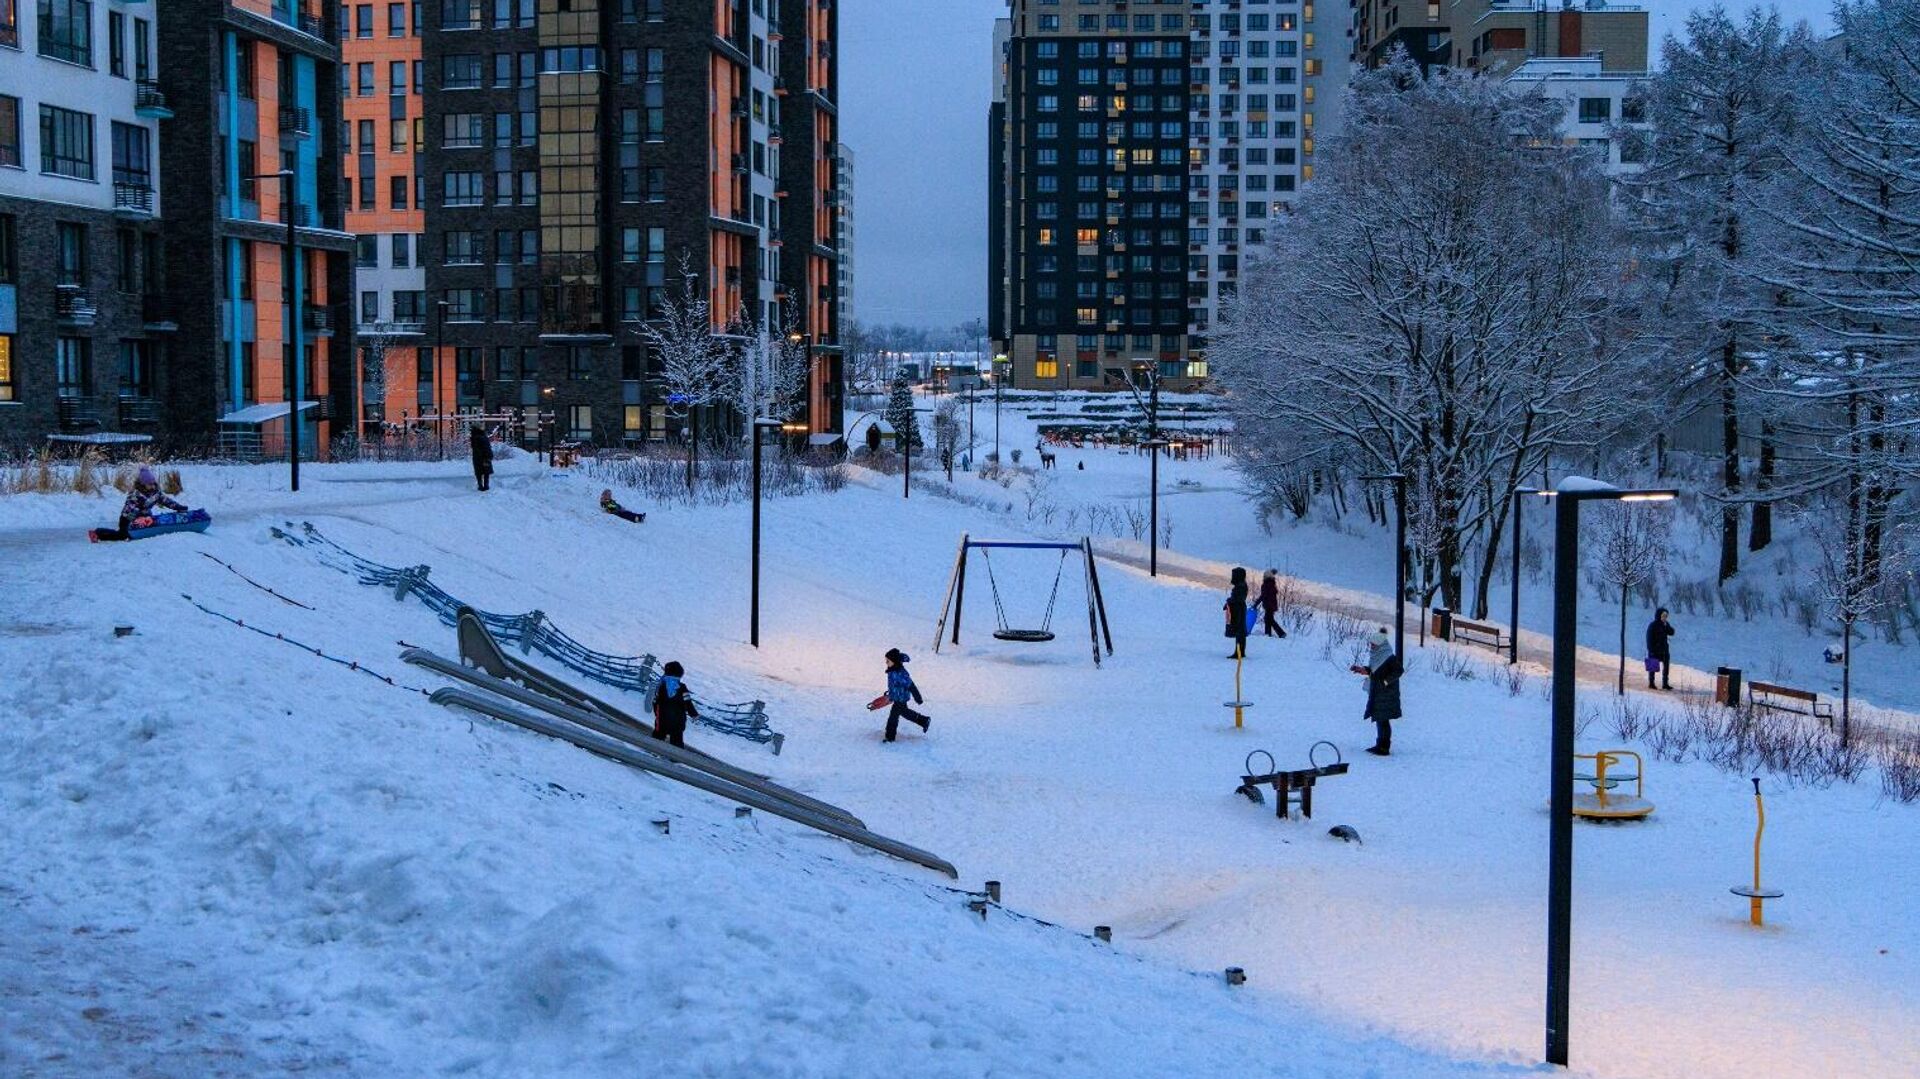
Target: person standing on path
x=900 y=690
x=1659 y=651
x=672 y=705
x=482 y=457
x=1236 y=607
x=1383 y=690
x=1270 y=603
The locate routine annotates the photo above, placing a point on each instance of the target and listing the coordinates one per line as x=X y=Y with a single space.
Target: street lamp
x=906 y=448
x=544 y=417
x=1153 y=446
x=1513 y=606
x=295 y=315
x=1572 y=491
x=1399 y=559
x=439 y=345
x=759 y=425
x=999 y=376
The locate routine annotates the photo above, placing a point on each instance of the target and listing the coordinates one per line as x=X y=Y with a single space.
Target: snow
x=228 y=856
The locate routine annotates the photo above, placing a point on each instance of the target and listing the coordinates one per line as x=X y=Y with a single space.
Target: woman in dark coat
x=1236 y=606
x=1658 y=650
x=1383 y=691
x=482 y=457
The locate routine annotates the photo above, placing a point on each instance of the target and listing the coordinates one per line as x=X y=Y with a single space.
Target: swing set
x=1098 y=631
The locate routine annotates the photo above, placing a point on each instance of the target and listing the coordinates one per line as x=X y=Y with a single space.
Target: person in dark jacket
x=672 y=705
x=482 y=457
x=1383 y=671
x=1236 y=607
x=1270 y=603
x=140 y=504
x=1659 y=651
x=608 y=505
x=900 y=690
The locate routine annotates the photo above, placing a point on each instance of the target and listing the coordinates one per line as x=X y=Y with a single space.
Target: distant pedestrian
x=1236 y=607
x=1383 y=671
x=1270 y=603
x=672 y=705
x=482 y=457
x=1659 y=652
x=900 y=690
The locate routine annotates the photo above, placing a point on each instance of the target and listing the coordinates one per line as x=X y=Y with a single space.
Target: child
x=900 y=689
x=672 y=706
x=140 y=503
x=1270 y=602
x=608 y=505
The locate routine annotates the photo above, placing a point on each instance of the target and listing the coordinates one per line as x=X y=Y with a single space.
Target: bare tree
x=774 y=370
x=698 y=368
x=946 y=433
x=385 y=364
x=1443 y=301
x=1633 y=551
x=1852 y=589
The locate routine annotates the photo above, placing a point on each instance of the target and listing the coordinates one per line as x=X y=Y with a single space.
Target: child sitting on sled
x=608 y=505
x=137 y=508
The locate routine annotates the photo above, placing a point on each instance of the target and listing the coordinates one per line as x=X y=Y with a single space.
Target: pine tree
x=900 y=413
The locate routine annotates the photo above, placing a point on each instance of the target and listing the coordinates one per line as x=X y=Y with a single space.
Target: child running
x=900 y=689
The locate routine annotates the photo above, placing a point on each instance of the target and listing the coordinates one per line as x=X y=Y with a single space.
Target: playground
x=359 y=880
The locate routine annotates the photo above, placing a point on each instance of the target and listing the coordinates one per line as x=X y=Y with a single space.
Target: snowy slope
x=252 y=860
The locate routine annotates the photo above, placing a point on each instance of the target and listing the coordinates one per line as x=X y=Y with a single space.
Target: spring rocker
x=1757 y=894
x=1239 y=703
x=1292 y=787
x=1603 y=803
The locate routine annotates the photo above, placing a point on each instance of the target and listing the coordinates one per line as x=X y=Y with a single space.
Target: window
x=116 y=44
x=580 y=421
x=1595 y=110
x=10 y=37
x=363 y=21
x=66 y=142
x=464 y=189
x=132 y=163
x=126 y=260
x=1046 y=367
x=463 y=248
x=366 y=252
x=463 y=130
x=460 y=72
x=73 y=366
x=397 y=192
x=364 y=78
x=369 y=308
x=10 y=129
x=402 y=249
x=396 y=20
x=66 y=30
x=9 y=252
x=6 y=357
x=579 y=362
x=465 y=305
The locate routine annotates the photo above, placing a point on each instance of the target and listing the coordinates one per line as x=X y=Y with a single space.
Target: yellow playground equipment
x=1759 y=893
x=1604 y=803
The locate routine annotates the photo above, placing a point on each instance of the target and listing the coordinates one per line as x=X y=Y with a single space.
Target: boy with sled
x=900 y=690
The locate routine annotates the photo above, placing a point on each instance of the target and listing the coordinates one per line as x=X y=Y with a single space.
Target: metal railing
x=132 y=197
x=72 y=305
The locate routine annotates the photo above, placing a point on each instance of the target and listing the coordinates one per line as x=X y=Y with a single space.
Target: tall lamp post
x=759 y=425
x=999 y=376
x=439 y=345
x=906 y=448
x=1399 y=558
x=1513 y=605
x=1153 y=446
x=1572 y=491
x=295 y=315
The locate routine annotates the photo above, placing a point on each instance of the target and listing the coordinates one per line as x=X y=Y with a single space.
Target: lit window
x=1046 y=368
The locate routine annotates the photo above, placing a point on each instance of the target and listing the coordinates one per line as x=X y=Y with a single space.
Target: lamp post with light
x=760 y=425
x=1399 y=559
x=1568 y=496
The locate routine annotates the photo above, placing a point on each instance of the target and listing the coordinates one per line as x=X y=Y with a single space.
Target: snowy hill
x=229 y=856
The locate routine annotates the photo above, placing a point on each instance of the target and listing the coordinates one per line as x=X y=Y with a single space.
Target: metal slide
x=622 y=729
x=613 y=749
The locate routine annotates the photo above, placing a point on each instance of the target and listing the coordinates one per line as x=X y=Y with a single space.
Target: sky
x=915 y=79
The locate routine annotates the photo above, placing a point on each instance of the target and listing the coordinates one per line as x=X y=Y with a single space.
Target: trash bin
x=1726 y=686
x=1442 y=624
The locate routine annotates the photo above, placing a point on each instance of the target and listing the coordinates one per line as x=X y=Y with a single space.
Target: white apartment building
x=1603 y=110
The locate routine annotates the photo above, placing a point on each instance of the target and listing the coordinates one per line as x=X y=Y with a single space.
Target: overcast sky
x=915 y=79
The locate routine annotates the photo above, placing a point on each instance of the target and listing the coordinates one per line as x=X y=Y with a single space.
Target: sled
x=162 y=523
x=623 y=513
x=878 y=703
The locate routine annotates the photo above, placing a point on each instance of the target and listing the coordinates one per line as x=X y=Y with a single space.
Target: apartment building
x=1605 y=112
x=843 y=232
x=1137 y=149
x=382 y=138
x=585 y=163
x=1496 y=36
x=83 y=338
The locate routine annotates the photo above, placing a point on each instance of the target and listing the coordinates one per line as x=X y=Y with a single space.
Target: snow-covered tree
x=1720 y=109
x=1442 y=302
x=1853 y=588
x=900 y=414
x=1633 y=550
x=776 y=366
x=946 y=433
x=698 y=368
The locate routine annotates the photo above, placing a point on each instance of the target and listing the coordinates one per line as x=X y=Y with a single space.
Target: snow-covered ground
x=226 y=856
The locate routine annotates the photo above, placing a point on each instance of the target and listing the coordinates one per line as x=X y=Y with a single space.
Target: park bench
x=1290 y=787
x=1470 y=632
x=1788 y=699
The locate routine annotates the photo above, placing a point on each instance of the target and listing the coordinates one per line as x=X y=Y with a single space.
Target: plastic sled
x=163 y=523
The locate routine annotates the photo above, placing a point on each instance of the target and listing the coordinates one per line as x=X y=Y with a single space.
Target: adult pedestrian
x=1270 y=603
x=1236 y=608
x=1659 y=651
x=482 y=456
x=1383 y=671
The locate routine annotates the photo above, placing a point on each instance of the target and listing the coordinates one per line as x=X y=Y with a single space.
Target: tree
x=1852 y=589
x=946 y=433
x=775 y=370
x=697 y=368
x=1719 y=109
x=384 y=364
x=1444 y=301
x=900 y=416
x=1633 y=551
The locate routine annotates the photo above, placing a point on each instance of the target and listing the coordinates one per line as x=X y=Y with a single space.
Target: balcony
x=149 y=101
x=77 y=413
x=311 y=24
x=318 y=319
x=72 y=306
x=296 y=121
x=156 y=314
x=138 y=409
x=740 y=163
x=132 y=199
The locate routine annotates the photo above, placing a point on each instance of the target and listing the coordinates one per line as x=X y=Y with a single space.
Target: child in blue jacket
x=900 y=689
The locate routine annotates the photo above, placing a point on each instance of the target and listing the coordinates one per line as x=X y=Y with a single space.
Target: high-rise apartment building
x=1495 y=36
x=843 y=231
x=80 y=250
x=1138 y=148
x=586 y=162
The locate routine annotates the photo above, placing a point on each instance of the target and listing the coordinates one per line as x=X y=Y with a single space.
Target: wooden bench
x=1788 y=699
x=1469 y=632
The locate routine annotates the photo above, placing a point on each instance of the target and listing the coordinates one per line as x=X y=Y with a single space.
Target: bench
x=1469 y=632
x=1788 y=699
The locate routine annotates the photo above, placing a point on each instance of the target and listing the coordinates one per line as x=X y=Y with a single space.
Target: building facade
x=83 y=339
x=1605 y=111
x=843 y=232
x=1496 y=36
x=585 y=163
x=1137 y=149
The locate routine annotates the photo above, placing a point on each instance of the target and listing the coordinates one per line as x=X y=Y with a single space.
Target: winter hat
x=146 y=477
x=673 y=669
x=1379 y=649
x=896 y=656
